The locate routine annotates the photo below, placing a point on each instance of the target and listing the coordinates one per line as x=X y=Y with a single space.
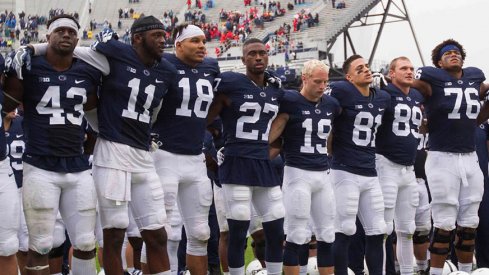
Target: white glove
x=18 y=59
x=220 y=156
x=106 y=35
x=155 y=143
x=379 y=81
x=273 y=79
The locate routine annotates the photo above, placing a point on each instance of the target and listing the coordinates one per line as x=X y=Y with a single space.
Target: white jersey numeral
x=471 y=96
x=15 y=150
x=363 y=126
x=251 y=119
x=50 y=104
x=203 y=96
x=402 y=115
x=130 y=112
x=324 y=127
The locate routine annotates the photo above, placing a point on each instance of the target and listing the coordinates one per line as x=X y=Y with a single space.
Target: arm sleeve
x=93 y=58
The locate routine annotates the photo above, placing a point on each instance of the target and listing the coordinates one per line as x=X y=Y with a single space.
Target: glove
x=379 y=81
x=16 y=60
x=220 y=156
x=272 y=79
x=155 y=143
x=106 y=35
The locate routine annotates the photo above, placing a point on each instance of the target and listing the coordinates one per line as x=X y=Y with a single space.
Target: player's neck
x=364 y=90
x=309 y=97
x=455 y=73
x=7 y=122
x=258 y=79
x=403 y=88
x=146 y=59
x=59 y=62
x=187 y=62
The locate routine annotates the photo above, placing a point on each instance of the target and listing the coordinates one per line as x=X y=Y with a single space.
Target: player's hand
x=155 y=142
x=379 y=81
x=106 y=35
x=16 y=60
x=486 y=95
x=272 y=79
x=220 y=156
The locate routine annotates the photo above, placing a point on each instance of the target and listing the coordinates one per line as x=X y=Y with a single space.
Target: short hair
x=393 y=64
x=348 y=61
x=252 y=41
x=435 y=53
x=63 y=16
x=178 y=29
x=310 y=65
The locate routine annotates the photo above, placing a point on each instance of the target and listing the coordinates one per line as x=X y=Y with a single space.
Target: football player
x=304 y=122
x=397 y=141
x=354 y=177
x=247 y=104
x=56 y=174
x=181 y=127
x=454 y=178
x=9 y=200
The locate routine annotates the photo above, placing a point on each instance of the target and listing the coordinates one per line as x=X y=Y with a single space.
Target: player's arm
x=219 y=102
x=483 y=114
x=423 y=87
x=14 y=92
x=275 y=148
x=329 y=144
x=484 y=90
x=90 y=109
x=278 y=126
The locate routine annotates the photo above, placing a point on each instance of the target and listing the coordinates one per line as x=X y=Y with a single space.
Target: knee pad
x=443 y=237
x=348 y=228
x=9 y=246
x=116 y=220
x=196 y=247
x=240 y=212
x=298 y=235
x=84 y=242
x=42 y=244
x=421 y=237
x=277 y=209
x=200 y=231
x=59 y=236
x=56 y=252
x=389 y=227
x=465 y=239
x=174 y=233
x=326 y=235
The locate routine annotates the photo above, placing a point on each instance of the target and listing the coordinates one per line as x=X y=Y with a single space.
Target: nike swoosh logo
x=380 y=109
x=274 y=98
x=206 y=74
x=158 y=81
x=9 y=175
x=79 y=81
x=328 y=114
x=18 y=136
x=417 y=102
x=470 y=83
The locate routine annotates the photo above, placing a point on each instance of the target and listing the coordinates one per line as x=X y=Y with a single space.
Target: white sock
x=172 y=249
x=405 y=253
x=237 y=270
x=83 y=267
x=436 y=271
x=225 y=273
x=303 y=270
x=130 y=270
x=55 y=273
x=466 y=267
x=274 y=268
x=123 y=254
x=168 y=272
x=422 y=264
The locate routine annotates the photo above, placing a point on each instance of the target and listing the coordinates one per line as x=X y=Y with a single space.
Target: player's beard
x=154 y=53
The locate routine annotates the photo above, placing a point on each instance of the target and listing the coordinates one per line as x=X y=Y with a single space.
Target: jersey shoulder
x=230 y=81
x=473 y=73
x=430 y=74
x=211 y=64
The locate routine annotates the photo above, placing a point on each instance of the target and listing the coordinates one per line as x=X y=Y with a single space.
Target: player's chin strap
x=37 y=268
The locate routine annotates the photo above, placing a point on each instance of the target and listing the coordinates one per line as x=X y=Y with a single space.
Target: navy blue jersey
x=482 y=136
x=182 y=118
x=452 y=108
x=129 y=94
x=355 y=128
x=53 y=113
x=246 y=123
x=397 y=137
x=307 y=130
x=15 y=148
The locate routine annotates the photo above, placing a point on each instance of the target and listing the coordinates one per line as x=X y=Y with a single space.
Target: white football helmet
x=481 y=271
x=262 y=271
x=458 y=273
x=101 y=272
x=448 y=267
x=253 y=267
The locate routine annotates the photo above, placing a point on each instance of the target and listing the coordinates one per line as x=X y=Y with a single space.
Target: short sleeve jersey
x=181 y=122
x=355 y=128
x=246 y=123
x=452 y=108
x=307 y=129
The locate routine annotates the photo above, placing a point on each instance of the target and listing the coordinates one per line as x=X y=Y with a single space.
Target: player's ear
x=243 y=60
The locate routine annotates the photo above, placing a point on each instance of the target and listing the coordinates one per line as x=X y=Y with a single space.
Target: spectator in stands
x=290 y=6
